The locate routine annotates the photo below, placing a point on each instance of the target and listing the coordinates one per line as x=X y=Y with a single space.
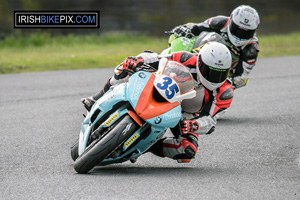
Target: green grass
x=41 y=52
x=45 y=53
x=279 y=45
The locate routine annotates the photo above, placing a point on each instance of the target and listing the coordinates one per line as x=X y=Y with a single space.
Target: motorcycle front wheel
x=74 y=151
x=101 y=148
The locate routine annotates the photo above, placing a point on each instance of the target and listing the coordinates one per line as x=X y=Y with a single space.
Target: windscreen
x=181 y=75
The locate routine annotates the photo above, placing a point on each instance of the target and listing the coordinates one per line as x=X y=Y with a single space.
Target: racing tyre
x=74 y=151
x=101 y=148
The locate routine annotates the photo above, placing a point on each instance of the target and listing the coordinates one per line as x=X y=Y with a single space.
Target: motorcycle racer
x=214 y=95
x=239 y=34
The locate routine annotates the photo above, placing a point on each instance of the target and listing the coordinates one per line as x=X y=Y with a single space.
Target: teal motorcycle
x=129 y=118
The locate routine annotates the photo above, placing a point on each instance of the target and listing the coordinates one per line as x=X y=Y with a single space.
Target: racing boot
x=88 y=102
x=190 y=145
x=182 y=149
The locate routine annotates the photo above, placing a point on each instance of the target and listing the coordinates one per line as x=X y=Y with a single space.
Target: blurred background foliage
x=127 y=27
x=155 y=16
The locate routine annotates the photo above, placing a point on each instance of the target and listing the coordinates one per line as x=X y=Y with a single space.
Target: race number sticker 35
x=170 y=90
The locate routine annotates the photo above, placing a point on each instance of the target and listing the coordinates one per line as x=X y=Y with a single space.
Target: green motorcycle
x=193 y=44
x=190 y=42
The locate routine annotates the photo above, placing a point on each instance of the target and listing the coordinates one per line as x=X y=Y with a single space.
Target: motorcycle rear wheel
x=101 y=148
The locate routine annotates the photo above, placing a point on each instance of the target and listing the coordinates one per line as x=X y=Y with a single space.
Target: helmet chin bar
x=208 y=85
x=236 y=41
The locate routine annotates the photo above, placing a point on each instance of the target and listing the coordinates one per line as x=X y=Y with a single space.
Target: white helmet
x=244 y=21
x=214 y=61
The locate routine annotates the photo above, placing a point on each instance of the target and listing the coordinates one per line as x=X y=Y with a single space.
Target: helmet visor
x=240 y=32
x=211 y=74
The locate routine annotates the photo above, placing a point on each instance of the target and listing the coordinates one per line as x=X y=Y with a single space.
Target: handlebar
x=169 y=33
x=189 y=35
x=146 y=67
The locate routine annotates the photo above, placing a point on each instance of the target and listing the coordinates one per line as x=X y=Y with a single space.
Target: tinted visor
x=240 y=32
x=212 y=74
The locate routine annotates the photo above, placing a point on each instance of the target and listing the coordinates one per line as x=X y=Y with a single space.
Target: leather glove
x=131 y=63
x=181 y=31
x=189 y=126
x=128 y=67
x=238 y=82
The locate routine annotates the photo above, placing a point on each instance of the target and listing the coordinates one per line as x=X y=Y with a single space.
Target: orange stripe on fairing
x=147 y=107
x=135 y=117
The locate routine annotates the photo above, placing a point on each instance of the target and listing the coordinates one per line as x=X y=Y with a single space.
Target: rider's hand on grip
x=181 y=31
x=131 y=63
x=189 y=126
x=128 y=67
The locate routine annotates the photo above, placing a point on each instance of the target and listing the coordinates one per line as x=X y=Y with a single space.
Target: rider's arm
x=148 y=57
x=246 y=63
x=206 y=124
x=203 y=121
x=218 y=102
x=213 y=24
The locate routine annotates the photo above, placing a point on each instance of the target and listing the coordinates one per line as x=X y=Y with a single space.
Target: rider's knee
x=225 y=95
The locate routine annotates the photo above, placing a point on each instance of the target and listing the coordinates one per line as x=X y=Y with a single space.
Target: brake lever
x=169 y=32
x=146 y=67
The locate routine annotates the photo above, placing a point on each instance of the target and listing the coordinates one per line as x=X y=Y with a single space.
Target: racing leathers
x=198 y=114
x=243 y=57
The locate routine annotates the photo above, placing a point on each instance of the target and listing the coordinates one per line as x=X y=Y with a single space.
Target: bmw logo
x=157 y=120
x=142 y=75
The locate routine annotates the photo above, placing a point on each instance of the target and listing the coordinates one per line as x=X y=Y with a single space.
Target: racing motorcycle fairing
x=139 y=98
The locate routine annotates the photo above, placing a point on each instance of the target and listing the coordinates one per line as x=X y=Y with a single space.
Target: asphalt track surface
x=253 y=153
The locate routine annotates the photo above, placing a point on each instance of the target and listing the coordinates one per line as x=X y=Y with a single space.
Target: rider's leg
x=224 y=99
x=88 y=102
x=182 y=149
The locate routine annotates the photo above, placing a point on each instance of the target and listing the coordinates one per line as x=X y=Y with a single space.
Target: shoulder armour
x=218 y=22
x=185 y=56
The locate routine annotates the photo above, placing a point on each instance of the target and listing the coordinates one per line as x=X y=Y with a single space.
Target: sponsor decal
x=132 y=139
x=112 y=119
x=172 y=116
x=138 y=86
x=219 y=63
x=127 y=128
x=185 y=41
x=157 y=120
x=245 y=24
x=142 y=75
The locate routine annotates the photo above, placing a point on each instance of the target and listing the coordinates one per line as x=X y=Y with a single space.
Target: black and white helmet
x=244 y=21
x=214 y=61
